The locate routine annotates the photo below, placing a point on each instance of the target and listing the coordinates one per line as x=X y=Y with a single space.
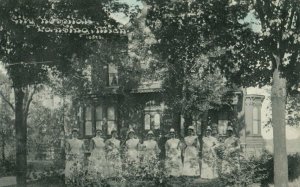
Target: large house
x=144 y=109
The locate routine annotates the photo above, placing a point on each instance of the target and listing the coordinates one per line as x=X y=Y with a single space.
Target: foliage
x=28 y=53
x=260 y=169
x=293 y=109
x=7 y=166
x=45 y=127
x=251 y=170
x=246 y=53
x=294 y=166
x=7 y=109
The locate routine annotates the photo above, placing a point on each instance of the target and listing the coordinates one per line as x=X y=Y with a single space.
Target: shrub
x=294 y=166
x=261 y=170
x=250 y=170
x=7 y=167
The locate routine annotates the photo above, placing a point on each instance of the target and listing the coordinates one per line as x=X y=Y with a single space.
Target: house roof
x=148 y=86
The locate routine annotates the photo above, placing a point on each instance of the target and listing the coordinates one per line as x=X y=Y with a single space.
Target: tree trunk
x=21 y=138
x=176 y=120
x=278 y=98
x=204 y=123
x=3 y=146
x=188 y=121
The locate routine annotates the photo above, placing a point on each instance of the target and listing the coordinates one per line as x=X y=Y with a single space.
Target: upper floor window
x=112 y=75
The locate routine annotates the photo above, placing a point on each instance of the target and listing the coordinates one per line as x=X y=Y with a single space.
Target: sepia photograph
x=146 y=93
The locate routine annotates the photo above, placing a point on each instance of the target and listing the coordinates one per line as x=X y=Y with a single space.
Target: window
x=222 y=126
x=256 y=121
x=88 y=121
x=222 y=122
x=112 y=75
x=147 y=122
x=157 y=121
x=99 y=117
x=111 y=119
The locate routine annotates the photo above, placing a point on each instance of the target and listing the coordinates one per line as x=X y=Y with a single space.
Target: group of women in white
x=182 y=156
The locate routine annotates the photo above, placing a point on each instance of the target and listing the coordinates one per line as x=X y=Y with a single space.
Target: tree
x=244 y=55
x=29 y=46
x=6 y=116
x=182 y=30
x=270 y=56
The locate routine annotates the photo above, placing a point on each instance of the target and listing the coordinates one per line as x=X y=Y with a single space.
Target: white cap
x=229 y=128
x=191 y=128
x=172 y=130
x=150 y=132
x=130 y=130
x=208 y=128
x=75 y=129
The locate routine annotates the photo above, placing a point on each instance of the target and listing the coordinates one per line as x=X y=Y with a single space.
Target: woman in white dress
x=191 y=151
x=150 y=155
x=231 y=154
x=132 y=159
x=98 y=164
x=113 y=157
x=74 y=156
x=209 y=157
x=173 y=162
x=131 y=147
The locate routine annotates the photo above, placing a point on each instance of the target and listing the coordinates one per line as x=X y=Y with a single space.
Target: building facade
x=144 y=109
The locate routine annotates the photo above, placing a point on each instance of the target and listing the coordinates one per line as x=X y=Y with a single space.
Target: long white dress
x=173 y=162
x=151 y=150
x=74 y=158
x=191 y=158
x=98 y=163
x=132 y=159
x=209 y=158
x=113 y=157
x=230 y=161
x=132 y=154
x=150 y=162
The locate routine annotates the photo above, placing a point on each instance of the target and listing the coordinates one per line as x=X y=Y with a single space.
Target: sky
x=122 y=18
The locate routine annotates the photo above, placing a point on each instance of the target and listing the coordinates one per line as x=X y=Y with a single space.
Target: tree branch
x=7 y=101
x=30 y=97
